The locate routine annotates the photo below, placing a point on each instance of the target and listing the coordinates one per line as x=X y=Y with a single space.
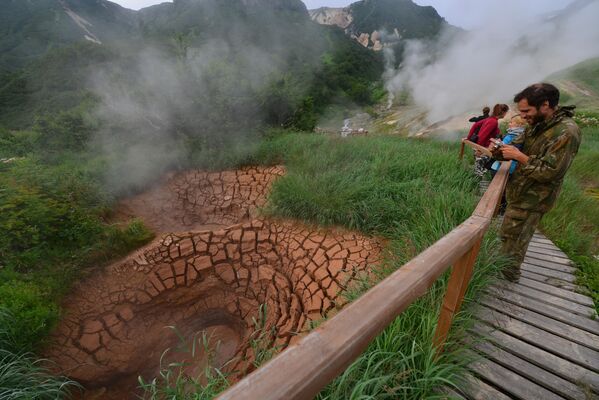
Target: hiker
x=548 y=147
x=486 y=111
x=483 y=131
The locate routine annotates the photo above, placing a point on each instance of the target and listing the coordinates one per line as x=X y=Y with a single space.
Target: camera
x=496 y=144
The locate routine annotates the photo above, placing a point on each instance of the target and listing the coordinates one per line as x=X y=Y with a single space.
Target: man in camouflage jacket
x=548 y=148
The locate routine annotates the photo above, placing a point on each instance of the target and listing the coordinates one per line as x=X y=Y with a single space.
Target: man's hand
x=510 y=152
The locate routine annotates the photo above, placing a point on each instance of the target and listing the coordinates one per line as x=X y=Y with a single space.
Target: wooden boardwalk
x=537 y=338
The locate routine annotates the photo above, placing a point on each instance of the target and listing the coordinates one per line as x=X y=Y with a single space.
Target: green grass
x=53 y=221
x=574 y=222
x=21 y=375
x=381 y=185
x=411 y=192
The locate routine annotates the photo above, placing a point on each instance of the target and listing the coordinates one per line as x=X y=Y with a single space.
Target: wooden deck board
x=564 y=348
x=537 y=338
x=557 y=291
x=549 y=265
x=510 y=381
x=548 y=310
x=532 y=372
x=541 y=249
x=552 y=281
x=545 y=246
x=549 y=257
x=549 y=361
x=568 y=305
x=475 y=389
x=540 y=321
x=548 y=272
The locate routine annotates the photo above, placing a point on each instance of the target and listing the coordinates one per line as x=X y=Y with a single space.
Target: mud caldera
x=214 y=286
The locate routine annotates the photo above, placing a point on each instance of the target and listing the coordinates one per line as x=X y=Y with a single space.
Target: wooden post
x=462 y=150
x=456 y=289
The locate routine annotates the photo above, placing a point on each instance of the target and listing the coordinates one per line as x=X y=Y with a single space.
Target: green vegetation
x=21 y=376
x=412 y=21
x=578 y=85
x=574 y=222
x=54 y=219
x=173 y=383
x=412 y=192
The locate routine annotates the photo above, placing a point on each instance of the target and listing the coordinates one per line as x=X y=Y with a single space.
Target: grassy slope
x=412 y=192
x=579 y=84
x=574 y=222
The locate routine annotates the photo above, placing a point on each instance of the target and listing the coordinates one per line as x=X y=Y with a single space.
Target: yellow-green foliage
x=574 y=222
x=51 y=219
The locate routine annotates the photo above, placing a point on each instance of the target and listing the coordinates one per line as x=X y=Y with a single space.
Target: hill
x=246 y=61
x=29 y=29
x=579 y=84
x=374 y=23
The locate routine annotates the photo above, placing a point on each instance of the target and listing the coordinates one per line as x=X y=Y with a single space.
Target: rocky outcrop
x=376 y=24
x=340 y=17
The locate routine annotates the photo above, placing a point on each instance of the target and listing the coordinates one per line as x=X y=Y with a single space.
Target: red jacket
x=489 y=129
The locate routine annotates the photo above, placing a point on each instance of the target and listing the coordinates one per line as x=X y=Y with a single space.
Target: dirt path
x=114 y=325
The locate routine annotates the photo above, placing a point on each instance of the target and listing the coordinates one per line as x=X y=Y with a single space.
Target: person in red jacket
x=482 y=132
x=488 y=128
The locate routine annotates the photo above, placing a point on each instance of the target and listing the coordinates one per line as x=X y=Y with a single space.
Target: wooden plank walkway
x=537 y=338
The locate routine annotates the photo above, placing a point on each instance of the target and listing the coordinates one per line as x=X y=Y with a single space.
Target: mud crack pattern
x=221 y=281
x=199 y=200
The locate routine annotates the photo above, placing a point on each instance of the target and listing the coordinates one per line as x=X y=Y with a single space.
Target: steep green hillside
x=410 y=20
x=204 y=64
x=28 y=29
x=580 y=84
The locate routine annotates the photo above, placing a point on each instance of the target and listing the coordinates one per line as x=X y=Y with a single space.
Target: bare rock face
x=340 y=17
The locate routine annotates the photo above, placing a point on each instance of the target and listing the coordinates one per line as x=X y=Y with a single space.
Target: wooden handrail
x=303 y=369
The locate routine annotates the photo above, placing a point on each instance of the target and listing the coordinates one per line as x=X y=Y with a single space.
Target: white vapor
x=489 y=65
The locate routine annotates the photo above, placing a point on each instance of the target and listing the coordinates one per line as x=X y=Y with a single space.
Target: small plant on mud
x=261 y=339
x=174 y=383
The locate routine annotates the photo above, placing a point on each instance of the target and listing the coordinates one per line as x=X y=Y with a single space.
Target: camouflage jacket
x=551 y=147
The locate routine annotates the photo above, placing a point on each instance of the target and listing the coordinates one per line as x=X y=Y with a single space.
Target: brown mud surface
x=215 y=283
x=198 y=200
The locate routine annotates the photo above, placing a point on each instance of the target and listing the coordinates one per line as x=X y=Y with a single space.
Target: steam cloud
x=464 y=71
x=194 y=99
x=156 y=107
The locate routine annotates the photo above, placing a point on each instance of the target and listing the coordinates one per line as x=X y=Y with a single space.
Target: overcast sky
x=464 y=13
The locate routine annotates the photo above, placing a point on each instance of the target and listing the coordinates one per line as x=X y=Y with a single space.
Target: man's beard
x=537 y=119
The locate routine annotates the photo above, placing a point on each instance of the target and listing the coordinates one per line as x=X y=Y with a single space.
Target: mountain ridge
x=379 y=23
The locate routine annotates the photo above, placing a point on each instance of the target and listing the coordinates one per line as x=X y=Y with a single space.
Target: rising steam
x=489 y=65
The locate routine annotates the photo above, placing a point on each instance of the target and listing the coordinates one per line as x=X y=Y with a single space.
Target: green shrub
x=574 y=222
x=33 y=313
x=21 y=376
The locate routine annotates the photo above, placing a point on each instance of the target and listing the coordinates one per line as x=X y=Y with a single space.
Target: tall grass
x=574 y=222
x=174 y=383
x=22 y=376
x=411 y=192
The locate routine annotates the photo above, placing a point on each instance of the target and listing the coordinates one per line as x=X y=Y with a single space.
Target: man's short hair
x=539 y=93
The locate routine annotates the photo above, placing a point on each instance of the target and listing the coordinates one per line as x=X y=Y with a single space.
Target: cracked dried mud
x=216 y=282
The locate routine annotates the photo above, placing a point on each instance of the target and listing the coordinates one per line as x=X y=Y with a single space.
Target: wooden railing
x=303 y=369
